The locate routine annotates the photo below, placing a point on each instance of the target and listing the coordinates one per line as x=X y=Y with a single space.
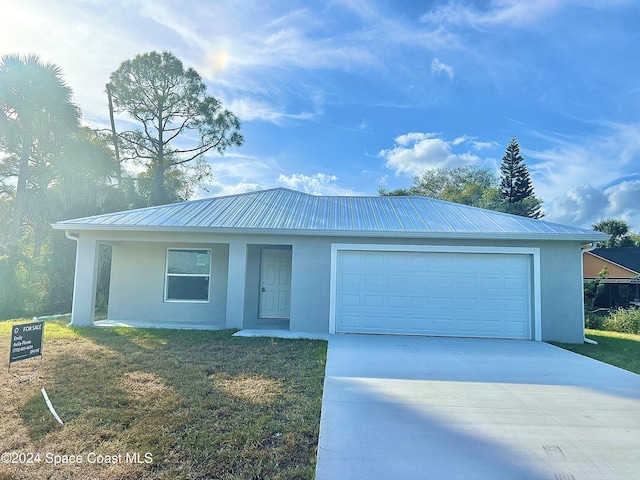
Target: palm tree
x=36 y=112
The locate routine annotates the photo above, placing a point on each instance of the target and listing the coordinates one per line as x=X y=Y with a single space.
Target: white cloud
x=416 y=152
x=247 y=109
x=585 y=179
x=316 y=184
x=600 y=160
x=586 y=205
x=498 y=12
x=624 y=202
x=237 y=173
x=579 y=206
x=412 y=137
x=220 y=189
x=459 y=140
x=485 y=145
x=439 y=68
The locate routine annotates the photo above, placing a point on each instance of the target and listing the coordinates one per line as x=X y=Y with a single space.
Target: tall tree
x=172 y=105
x=516 y=188
x=36 y=112
x=619 y=231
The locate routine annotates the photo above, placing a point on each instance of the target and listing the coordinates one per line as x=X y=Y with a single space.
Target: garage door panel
x=516 y=285
x=373 y=301
x=395 y=280
x=515 y=328
x=491 y=305
x=349 y=300
x=395 y=261
x=376 y=261
x=421 y=303
x=350 y=279
x=418 y=281
x=396 y=301
x=518 y=306
x=449 y=294
x=492 y=327
x=467 y=304
x=373 y=280
x=419 y=262
x=376 y=322
x=488 y=284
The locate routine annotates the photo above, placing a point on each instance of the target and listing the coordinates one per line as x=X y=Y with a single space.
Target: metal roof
x=281 y=210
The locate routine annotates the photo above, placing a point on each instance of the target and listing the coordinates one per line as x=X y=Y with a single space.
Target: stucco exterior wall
x=562 y=292
x=310 y=283
x=138 y=277
x=138 y=280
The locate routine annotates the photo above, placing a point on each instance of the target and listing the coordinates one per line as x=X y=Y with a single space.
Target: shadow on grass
x=204 y=403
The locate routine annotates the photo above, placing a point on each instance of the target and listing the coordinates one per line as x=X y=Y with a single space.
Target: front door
x=275 y=283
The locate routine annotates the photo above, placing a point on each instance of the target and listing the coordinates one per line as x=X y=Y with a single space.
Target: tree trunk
x=21 y=190
x=158 y=195
x=114 y=136
x=158 y=191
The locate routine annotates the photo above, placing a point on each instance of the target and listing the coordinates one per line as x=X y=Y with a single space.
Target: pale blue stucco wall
x=139 y=261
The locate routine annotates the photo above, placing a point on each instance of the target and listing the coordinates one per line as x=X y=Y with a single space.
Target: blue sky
x=342 y=96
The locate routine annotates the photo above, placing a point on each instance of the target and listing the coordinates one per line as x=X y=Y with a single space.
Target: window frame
x=167 y=275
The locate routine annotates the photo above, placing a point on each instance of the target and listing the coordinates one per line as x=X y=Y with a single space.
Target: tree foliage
x=172 y=107
x=516 y=188
x=50 y=169
x=468 y=185
x=36 y=115
x=619 y=231
x=512 y=192
x=593 y=289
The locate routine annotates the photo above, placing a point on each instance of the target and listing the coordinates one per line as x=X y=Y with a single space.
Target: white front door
x=275 y=283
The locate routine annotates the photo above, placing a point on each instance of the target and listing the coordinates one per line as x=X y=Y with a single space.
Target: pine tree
x=516 y=188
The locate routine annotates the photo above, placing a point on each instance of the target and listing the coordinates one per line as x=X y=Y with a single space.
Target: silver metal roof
x=281 y=210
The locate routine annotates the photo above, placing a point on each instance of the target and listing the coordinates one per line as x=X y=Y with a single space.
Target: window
x=188 y=273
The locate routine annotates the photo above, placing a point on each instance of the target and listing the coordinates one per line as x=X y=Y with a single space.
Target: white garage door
x=433 y=293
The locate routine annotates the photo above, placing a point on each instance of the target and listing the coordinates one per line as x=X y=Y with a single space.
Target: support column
x=236 y=284
x=86 y=279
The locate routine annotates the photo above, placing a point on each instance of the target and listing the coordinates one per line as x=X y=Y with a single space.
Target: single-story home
x=622 y=283
x=284 y=259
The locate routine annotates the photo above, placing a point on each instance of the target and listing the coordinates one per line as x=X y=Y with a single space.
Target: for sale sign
x=26 y=341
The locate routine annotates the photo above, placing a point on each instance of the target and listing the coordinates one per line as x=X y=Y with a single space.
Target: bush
x=623 y=320
x=11 y=292
x=594 y=321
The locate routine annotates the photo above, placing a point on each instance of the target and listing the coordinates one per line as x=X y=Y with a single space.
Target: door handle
x=264 y=289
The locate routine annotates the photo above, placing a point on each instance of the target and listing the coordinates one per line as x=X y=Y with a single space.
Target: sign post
x=26 y=342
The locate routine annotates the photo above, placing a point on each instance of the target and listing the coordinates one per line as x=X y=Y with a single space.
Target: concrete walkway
x=399 y=407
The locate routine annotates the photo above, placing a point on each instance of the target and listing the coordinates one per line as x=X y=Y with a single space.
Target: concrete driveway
x=397 y=407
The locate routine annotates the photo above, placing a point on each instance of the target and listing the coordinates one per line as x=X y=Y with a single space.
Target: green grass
x=619 y=349
x=204 y=404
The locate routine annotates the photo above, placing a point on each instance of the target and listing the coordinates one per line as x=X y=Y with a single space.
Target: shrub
x=594 y=320
x=624 y=320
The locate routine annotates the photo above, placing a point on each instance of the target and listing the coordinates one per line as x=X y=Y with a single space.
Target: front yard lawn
x=163 y=404
x=619 y=349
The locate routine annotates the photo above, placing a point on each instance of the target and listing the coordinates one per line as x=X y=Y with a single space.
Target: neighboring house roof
x=626 y=257
x=281 y=210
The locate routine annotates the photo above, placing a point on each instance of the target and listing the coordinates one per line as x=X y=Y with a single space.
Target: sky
x=341 y=97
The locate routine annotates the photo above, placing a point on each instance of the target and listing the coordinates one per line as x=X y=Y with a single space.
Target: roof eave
x=584 y=238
